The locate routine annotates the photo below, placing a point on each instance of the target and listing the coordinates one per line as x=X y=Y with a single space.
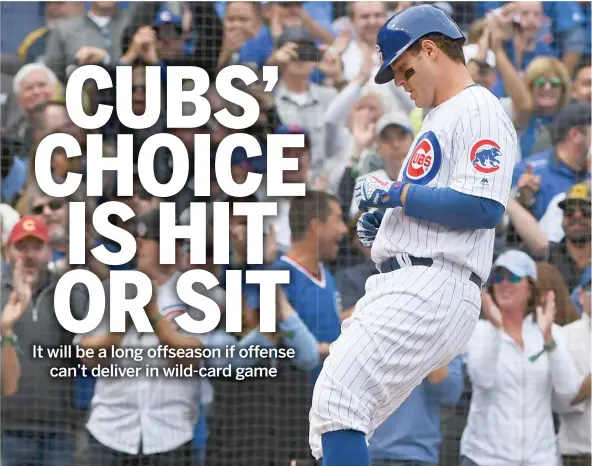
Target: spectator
x=11 y=368
x=317 y=227
x=574 y=427
x=355 y=109
x=160 y=418
x=572 y=254
x=550 y=279
x=14 y=169
x=246 y=40
x=539 y=178
x=411 y=435
x=38 y=420
x=488 y=56
x=549 y=84
x=582 y=86
x=518 y=325
x=73 y=40
x=32 y=48
x=34 y=84
x=552 y=221
x=393 y=135
x=366 y=20
x=297 y=100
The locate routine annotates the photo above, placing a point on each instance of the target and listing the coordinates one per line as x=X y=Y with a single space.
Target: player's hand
x=372 y=191
x=367 y=227
x=546 y=316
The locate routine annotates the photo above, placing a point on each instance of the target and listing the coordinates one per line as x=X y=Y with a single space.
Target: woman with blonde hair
x=550 y=86
x=520 y=370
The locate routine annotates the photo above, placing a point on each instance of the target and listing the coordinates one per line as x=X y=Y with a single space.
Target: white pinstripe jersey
x=469 y=144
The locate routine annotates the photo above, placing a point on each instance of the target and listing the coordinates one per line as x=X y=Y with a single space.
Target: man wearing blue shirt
x=316 y=222
x=542 y=176
x=411 y=435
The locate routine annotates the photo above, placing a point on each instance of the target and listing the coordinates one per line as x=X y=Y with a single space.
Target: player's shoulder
x=480 y=100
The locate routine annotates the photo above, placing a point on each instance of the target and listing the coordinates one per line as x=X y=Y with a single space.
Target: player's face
x=510 y=291
x=417 y=74
x=330 y=233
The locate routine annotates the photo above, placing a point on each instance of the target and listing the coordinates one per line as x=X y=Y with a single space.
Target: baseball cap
x=293 y=129
x=29 y=226
x=578 y=192
x=166 y=16
x=470 y=52
x=393 y=118
x=147 y=226
x=517 y=262
x=572 y=115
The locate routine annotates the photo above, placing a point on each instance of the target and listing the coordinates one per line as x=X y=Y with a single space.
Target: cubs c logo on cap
x=424 y=162
x=485 y=156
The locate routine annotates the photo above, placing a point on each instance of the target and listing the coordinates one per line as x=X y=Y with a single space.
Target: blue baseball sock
x=345 y=448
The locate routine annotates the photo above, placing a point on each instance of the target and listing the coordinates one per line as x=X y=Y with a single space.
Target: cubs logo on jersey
x=425 y=160
x=485 y=156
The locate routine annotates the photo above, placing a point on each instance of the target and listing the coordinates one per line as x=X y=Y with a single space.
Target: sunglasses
x=541 y=82
x=500 y=277
x=572 y=209
x=54 y=205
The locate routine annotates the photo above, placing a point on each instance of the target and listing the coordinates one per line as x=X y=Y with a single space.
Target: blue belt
x=392 y=264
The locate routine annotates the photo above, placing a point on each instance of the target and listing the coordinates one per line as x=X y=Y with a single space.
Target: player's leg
x=411 y=322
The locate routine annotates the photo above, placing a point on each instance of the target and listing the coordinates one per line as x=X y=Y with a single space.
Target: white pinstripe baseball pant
x=410 y=322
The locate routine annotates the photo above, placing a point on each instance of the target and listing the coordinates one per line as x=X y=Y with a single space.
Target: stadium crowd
x=511 y=398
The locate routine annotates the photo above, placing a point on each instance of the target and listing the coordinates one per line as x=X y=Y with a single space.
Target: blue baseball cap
x=166 y=16
x=517 y=262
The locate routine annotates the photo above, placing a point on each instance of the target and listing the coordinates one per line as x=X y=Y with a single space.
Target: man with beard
x=38 y=420
x=572 y=254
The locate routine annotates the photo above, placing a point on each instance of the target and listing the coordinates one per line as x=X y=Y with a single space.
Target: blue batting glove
x=372 y=191
x=367 y=227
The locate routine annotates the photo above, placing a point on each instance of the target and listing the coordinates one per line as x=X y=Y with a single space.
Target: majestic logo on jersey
x=485 y=156
x=425 y=160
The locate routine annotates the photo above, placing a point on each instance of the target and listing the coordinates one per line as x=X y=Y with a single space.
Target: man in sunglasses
x=572 y=254
x=542 y=176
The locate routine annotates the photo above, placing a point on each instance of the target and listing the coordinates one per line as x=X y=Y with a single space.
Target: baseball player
x=433 y=246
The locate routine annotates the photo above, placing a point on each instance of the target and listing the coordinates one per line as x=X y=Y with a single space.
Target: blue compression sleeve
x=451 y=208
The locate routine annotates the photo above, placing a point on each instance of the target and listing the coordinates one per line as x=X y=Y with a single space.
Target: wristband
x=550 y=347
x=11 y=340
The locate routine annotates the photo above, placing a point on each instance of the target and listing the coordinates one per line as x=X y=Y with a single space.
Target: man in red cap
x=27 y=250
x=38 y=420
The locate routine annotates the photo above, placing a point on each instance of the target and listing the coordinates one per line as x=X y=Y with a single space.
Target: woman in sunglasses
x=520 y=371
x=548 y=81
